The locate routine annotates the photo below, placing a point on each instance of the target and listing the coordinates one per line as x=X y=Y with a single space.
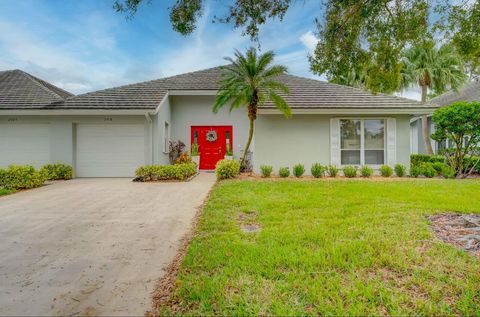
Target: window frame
x=166 y=136
x=362 y=141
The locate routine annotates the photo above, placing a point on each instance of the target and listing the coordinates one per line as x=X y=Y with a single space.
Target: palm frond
x=281 y=104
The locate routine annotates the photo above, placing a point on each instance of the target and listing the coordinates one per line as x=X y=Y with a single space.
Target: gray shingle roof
x=304 y=93
x=469 y=92
x=20 y=90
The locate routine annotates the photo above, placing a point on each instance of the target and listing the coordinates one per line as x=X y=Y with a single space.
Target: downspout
x=150 y=128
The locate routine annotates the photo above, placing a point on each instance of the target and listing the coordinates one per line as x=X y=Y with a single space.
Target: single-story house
x=111 y=132
x=469 y=92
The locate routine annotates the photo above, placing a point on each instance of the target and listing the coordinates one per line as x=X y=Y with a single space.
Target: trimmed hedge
x=417 y=159
x=227 y=169
x=439 y=161
x=57 y=171
x=165 y=172
x=21 y=177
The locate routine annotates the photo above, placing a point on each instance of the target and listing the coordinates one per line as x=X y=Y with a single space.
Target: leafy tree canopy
x=460 y=124
x=360 y=41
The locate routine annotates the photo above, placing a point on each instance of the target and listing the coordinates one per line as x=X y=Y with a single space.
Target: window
x=166 y=137
x=362 y=141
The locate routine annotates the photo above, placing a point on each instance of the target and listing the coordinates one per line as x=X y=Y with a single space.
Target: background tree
x=250 y=81
x=364 y=37
x=460 y=23
x=432 y=68
x=459 y=123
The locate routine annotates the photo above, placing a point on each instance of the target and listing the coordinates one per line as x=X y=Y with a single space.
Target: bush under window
x=366 y=171
x=350 y=171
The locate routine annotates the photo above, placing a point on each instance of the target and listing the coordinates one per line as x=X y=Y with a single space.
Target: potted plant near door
x=195 y=154
x=228 y=153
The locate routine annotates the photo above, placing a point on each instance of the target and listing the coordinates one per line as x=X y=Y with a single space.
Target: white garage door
x=22 y=144
x=113 y=150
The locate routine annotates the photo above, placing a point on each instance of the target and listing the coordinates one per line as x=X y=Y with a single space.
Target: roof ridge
x=39 y=81
x=144 y=82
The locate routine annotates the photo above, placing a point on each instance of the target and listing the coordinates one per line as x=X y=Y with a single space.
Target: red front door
x=212 y=143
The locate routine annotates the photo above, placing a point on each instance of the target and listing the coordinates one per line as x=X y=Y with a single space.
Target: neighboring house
x=469 y=92
x=109 y=133
x=22 y=142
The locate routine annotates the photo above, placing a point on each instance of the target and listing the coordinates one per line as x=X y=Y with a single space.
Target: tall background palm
x=250 y=81
x=437 y=69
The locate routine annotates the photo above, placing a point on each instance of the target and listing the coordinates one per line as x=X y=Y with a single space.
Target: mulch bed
x=460 y=230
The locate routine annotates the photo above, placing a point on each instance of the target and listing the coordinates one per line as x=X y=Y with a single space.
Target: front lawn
x=4 y=191
x=328 y=248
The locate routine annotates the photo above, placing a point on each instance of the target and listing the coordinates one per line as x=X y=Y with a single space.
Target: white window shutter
x=391 y=141
x=335 y=142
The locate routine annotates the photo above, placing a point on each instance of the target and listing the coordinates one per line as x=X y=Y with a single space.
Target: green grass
x=4 y=191
x=329 y=248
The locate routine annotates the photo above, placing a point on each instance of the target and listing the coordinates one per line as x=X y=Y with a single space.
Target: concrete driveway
x=91 y=246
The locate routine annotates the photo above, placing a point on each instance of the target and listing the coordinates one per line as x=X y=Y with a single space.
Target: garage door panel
x=22 y=144
x=109 y=150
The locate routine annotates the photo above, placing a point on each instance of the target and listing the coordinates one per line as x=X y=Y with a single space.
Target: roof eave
x=352 y=110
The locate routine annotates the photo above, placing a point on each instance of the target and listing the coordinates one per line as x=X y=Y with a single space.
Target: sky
x=85 y=45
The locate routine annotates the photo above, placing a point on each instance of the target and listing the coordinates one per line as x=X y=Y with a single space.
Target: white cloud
x=309 y=40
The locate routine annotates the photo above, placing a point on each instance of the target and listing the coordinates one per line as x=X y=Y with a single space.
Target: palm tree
x=250 y=81
x=432 y=68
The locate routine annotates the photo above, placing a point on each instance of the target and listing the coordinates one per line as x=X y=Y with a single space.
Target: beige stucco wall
x=305 y=139
x=187 y=111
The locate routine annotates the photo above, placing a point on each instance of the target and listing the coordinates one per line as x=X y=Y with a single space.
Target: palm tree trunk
x=250 y=137
x=425 y=129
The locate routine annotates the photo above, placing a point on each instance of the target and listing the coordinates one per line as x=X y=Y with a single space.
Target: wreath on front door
x=212 y=136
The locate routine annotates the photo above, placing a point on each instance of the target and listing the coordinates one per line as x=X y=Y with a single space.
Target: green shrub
x=448 y=171
x=438 y=167
x=21 y=177
x=332 y=170
x=428 y=170
x=400 y=170
x=165 y=172
x=317 y=170
x=366 y=171
x=57 y=171
x=350 y=171
x=386 y=171
x=418 y=159
x=227 y=169
x=298 y=170
x=266 y=170
x=415 y=171
x=284 y=172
